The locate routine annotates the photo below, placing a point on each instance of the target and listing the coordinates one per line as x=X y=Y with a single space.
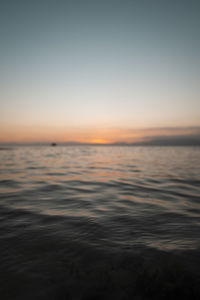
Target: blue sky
x=73 y=70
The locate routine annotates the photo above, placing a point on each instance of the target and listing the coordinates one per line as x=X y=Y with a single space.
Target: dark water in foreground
x=99 y=222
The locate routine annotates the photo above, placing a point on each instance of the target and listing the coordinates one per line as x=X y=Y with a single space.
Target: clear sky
x=98 y=71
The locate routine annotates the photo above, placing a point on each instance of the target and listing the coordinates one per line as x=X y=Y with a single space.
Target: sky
x=99 y=71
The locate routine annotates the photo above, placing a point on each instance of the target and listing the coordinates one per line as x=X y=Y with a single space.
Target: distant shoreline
x=8 y=145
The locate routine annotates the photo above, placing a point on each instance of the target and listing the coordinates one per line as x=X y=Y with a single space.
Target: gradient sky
x=98 y=71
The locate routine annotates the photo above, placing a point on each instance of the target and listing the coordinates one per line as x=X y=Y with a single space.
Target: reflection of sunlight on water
x=69 y=212
x=10 y=190
x=168 y=245
x=53 y=212
x=24 y=207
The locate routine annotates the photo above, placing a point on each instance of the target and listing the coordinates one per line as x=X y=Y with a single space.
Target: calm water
x=79 y=222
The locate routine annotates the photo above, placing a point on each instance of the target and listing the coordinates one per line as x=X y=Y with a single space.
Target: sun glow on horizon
x=99 y=141
x=99 y=136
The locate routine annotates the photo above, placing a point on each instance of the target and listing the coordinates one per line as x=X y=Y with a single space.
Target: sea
x=99 y=222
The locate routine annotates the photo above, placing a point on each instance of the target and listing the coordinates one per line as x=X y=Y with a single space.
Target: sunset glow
x=98 y=72
x=99 y=141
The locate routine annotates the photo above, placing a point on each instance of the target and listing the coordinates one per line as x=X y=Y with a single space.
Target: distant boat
x=53 y=144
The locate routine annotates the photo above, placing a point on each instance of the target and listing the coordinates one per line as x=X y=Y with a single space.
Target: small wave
x=9 y=183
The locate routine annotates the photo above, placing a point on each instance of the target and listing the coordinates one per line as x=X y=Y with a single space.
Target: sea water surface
x=99 y=222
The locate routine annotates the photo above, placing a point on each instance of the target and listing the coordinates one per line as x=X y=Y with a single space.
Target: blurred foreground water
x=99 y=222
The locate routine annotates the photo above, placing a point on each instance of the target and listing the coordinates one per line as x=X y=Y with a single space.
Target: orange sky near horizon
x=27 y=134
